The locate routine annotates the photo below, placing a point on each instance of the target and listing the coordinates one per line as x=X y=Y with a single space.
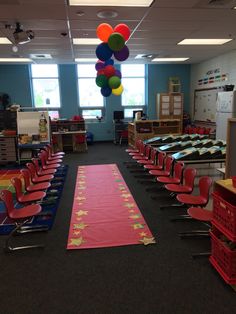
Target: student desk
x=69 y=140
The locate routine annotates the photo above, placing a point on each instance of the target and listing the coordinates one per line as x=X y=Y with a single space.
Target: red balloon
x=109 y=70
x=123 y=29
x=100 y=72
x=103 y=31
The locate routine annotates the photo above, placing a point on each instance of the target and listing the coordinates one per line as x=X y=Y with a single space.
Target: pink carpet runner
x=104 y=212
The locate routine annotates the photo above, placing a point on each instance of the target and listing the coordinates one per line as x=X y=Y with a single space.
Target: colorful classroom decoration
x=113 y=44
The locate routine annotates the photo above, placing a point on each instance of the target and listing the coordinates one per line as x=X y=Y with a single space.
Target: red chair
x=136 y=149
x=44 y=165
x=48 y=160
x=177 y=175
x=123 y=136
x=58 y=154
x=160 y=162
x=140 y=152
x=35 y=178
x=145 y=155
x=26 y=198
x=20 y=217
x=197 y=200
x=40 y=171
x=167 y=168
x=187 y=187
x=151 y=160
x=203 y=215
x=33 y=187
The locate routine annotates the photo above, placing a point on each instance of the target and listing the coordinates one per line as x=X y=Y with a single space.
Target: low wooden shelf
x=145 y=129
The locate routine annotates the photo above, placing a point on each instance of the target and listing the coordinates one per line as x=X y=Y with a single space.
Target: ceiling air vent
x=40 y=56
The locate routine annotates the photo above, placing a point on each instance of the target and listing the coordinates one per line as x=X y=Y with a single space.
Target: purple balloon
x=123 y=54
x=99 y=65
x=118 y=73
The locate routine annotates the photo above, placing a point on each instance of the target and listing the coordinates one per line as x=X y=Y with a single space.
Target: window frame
x=141 y=107
x=81 y=108
x=32 y=78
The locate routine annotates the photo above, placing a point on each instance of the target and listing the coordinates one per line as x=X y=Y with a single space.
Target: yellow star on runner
x=142 y=234
x=129 y=205
x=131 y=211
x=80 y=203
x=77 y=232
x=134 y=216
x=79 y=198
x=121 y=188
x=76 y=242
x=81 y=187
x=81 y=226
x=82 y=176
x=147 y=241
x=82 y=212
x=126 y=195
x=138 y=226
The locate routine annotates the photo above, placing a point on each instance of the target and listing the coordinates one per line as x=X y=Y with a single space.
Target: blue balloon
x=109 y=62
x=103 y=52
x=106 y=91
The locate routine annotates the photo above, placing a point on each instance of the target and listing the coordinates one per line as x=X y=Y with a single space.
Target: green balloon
x=114 y=82
x=101 y=80
x=116 y=41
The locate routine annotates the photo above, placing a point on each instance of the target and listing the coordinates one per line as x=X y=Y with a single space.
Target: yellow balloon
x=118 y=91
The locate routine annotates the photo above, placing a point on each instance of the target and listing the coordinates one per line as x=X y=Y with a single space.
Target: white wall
x=227 y=65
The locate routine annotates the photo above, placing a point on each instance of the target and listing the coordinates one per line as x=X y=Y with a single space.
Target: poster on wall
x=205 y=104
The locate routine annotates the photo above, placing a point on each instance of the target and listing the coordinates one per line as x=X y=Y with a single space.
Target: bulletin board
x=205 y=104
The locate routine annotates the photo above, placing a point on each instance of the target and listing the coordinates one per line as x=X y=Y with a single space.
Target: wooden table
x=67 y=141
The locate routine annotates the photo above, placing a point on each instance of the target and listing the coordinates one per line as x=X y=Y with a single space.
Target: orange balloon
x=104 y=31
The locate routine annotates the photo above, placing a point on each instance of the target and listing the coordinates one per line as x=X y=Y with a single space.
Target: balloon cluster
x=113 y=43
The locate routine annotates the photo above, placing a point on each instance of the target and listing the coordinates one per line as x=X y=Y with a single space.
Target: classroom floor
x=160 y=278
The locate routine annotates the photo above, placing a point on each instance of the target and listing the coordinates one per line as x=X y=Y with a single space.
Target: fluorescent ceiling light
x=5 y=41
x=7 y=60
x=93 y=60
x=86 y=41
x=113 y=3
x=204 y=41
x=169 y=59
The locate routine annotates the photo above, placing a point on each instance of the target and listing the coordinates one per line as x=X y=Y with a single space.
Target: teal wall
x=15 y=81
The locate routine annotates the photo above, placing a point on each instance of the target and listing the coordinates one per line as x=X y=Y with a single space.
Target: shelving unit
x=174 y=85
x=149 y=128
x=230 y=165
x=223 y=234
x=7 y=149
x=170 y=106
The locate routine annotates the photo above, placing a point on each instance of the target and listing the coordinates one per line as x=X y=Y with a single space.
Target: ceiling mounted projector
x=22 y=37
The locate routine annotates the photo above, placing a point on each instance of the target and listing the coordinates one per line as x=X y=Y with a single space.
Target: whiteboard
x=28 y=122
x=205 y=104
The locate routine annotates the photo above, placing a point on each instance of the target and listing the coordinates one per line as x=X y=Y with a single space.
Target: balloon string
x=140 y=22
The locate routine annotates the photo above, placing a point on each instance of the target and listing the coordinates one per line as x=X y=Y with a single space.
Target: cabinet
x=230 y=165
x=174 y=85
x=8 y=149
x=150 y=128
x=223 y=234
x=170 y=106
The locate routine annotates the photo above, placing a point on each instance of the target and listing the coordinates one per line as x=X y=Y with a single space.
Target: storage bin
x=224 y=215
x=223 y=258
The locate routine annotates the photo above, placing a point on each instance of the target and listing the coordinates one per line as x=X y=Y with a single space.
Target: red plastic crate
x=223 y=258
x=224 y=216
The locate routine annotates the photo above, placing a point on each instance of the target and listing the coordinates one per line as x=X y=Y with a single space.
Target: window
x=45 y=85
x=133 y=81
x=91 y=101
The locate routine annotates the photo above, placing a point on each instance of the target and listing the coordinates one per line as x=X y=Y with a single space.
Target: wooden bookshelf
x=149 y=128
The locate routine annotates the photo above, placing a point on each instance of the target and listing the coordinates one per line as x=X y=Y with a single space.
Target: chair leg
x=181 y=218
x=9 y=248
x=195 y=233
x=203 y=254
x=177 y=205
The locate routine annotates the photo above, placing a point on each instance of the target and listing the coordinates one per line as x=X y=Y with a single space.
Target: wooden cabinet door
x=164 y=106
x=177 y=106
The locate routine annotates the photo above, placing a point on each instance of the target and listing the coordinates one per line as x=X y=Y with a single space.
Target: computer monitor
x=53 y=114
x=118 y=115
x=135 y=111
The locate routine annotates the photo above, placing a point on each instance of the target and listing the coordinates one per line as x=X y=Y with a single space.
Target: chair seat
x=135 y=154
x=58 y=154
x=200 y=213
x=51 y=162
x=46 y=171
x=42 y=178
x=168 y=180
x=140 y=157
x=178 y=188
x=191 y=199
x=52 y=166
x=153 y=167
x=27 y=211
x=38 y=187
x=160 y=173
x=32 y=197
x=145 y=162
x=130 y=150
